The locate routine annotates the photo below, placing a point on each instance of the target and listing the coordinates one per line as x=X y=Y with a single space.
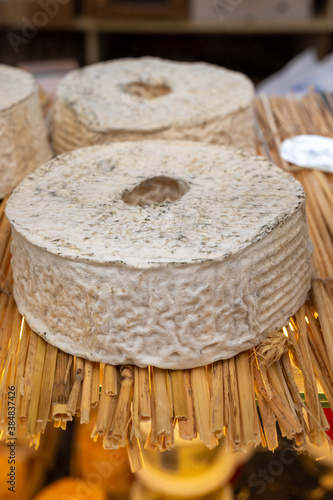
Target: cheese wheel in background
x=166 y=254
x=151 y=98
x=23 y=138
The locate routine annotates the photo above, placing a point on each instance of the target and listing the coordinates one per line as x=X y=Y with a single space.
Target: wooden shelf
x=314 y=25
x=318 y=24
x=92 y=28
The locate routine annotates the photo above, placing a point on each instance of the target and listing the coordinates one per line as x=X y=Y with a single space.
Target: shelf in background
x=319 y=24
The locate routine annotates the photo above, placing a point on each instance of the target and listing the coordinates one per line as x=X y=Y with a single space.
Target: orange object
x=70 y=488
x=108 y=469
x=16 y=464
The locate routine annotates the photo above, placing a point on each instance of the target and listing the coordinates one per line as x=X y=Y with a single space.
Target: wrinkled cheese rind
x=175 y=285
x=206 y=103
x=23 y=141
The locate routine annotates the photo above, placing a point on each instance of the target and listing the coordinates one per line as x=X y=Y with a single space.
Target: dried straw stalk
x=186 y=426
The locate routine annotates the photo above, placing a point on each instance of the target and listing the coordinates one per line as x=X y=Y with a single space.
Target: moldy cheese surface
x=152 y=98
x=23 y=139
x=73 y=206
x=175 y=284
x=15 y=85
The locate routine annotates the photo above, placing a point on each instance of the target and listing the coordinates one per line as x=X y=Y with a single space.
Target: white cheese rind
x=23 y=140
x=175 y=285
x=206 y=103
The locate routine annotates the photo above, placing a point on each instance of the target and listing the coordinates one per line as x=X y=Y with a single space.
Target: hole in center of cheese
x=156 y=190
x=146 y=90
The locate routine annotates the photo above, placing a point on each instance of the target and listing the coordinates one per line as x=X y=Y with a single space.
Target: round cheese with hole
x=23 y=140
x=167 y=254
x=151 y=98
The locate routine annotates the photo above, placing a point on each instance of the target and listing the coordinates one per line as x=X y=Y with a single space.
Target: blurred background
x=257 y=37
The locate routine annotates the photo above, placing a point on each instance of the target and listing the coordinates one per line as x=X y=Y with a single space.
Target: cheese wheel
x=23 y=141
x=155 y=253
x=150 y=98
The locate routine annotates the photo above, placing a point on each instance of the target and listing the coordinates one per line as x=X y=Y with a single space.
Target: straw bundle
x=281 y=377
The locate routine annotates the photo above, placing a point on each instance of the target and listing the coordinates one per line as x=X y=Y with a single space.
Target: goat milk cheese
x=151 y=98
x=169 y=254
x=23 y=140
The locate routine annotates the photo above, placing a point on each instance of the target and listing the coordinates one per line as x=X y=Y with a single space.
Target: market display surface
x=23 y=140
x=169 y=100
x=210 y=401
